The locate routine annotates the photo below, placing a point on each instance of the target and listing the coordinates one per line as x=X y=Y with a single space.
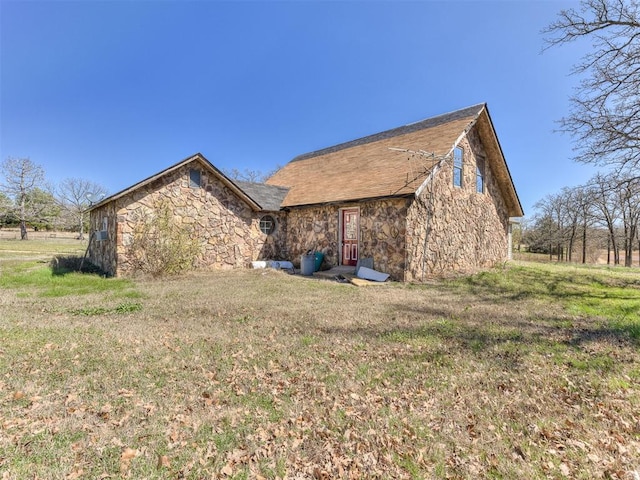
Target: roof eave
x=345 y=201
x=506 y=180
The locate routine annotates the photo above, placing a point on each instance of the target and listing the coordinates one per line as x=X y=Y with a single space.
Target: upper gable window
x=480 y=175
x=458 y=162
x=194 y=178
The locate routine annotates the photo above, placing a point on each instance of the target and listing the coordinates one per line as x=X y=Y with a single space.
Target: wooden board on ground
x=361 y=282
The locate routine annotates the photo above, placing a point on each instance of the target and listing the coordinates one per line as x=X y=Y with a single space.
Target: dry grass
x=258 y=374
x=42 y=248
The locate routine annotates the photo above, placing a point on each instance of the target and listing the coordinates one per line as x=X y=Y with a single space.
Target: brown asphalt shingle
x=369 y=167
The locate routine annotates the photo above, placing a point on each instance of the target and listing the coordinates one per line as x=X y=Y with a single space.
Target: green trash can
x=319 y=259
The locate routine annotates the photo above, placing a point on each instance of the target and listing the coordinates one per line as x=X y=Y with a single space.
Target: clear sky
x=116 y=91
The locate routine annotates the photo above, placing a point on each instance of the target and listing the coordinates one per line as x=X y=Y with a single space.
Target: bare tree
x=248 y=175
x=608 y=213
x=6 y=205
x=76 y=195
x=551 y=223
x=604 y=117
x=22 y=178
x=569 y=201
x=43 y=209
x=628 y=198
x=583 y=203
x=617 y=201
x=638 y=240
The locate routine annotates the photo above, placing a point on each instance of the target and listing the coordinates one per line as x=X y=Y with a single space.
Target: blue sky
x=115 y=91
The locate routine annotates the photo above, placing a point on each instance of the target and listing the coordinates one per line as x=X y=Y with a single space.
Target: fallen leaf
x=125 y=459
x=593 y=457
x=105 y=411
x=128 y=454
x=163 y=462
x=75 y=474
x=227 y=470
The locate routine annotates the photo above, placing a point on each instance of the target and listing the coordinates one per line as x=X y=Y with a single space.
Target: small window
x=457 y=166
x=102 y=235
x=480 y=175
x=194 y=178
x=267 y=224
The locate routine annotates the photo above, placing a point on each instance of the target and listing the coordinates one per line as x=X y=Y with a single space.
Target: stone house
x=426 y=199
x=231 y=226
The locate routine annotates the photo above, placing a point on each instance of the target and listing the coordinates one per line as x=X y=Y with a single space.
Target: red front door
x=350 y=228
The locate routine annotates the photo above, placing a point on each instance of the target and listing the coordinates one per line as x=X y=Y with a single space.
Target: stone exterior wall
x=103 y=252
x=312 y=228
x=455 y=229
x=444 y=229
x=382 y=233
x=227 y=227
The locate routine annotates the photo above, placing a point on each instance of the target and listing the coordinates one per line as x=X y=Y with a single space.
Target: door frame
x=340 y=231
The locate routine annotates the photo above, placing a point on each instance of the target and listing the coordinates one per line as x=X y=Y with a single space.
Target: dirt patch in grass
x=258 y=374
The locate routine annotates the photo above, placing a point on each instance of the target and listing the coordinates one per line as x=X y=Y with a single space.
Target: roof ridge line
x=394 y=132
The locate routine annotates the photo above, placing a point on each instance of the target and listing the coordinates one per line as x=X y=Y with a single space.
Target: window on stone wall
x=480 y=175
x=458 y=155
x=194 y=178
x=267 y=224
x=102 y=234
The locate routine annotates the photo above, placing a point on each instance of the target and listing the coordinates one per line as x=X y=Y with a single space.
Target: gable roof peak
x=197 y=157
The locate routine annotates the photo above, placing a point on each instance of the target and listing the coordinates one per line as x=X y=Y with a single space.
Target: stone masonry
x=455 y=229
x=382 y=232
x=436 y=230
x=228 y=229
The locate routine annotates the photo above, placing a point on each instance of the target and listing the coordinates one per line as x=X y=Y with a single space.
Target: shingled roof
x=381 y=165
x=464 y=114
x=269 y=197
x=368 y=167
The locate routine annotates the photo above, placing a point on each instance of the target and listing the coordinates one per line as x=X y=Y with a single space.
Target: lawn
x=527 y=371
